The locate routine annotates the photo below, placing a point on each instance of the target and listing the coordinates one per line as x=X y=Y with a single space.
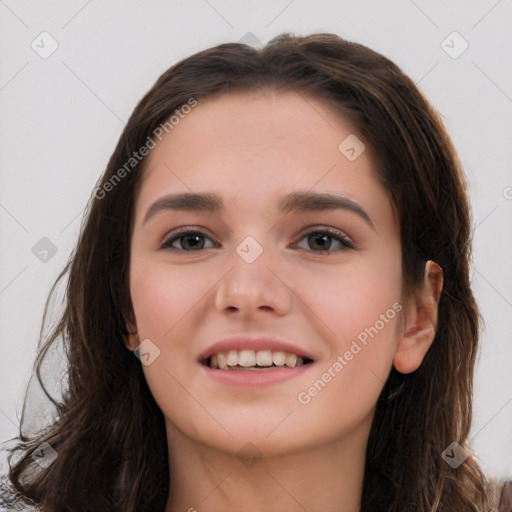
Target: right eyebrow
x=188 y=201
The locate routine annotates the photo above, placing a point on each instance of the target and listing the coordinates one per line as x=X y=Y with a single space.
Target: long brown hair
x=110 y=434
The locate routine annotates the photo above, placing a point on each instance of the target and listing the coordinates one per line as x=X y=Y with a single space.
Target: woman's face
x=323 y=278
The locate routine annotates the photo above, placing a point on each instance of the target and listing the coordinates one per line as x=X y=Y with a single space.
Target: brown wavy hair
x=109 y=432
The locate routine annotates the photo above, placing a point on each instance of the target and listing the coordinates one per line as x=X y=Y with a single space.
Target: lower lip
x=253 y=378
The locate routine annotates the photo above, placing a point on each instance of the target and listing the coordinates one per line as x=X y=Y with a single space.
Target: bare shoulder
x=503 y=502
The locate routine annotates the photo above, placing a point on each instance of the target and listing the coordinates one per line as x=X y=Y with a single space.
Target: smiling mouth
x=254 y=360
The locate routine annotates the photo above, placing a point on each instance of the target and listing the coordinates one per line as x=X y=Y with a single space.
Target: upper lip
x=255 y=342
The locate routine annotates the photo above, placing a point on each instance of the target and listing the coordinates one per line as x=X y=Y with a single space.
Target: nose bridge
x=251 y=261
x=254 y=245
x=251 y=282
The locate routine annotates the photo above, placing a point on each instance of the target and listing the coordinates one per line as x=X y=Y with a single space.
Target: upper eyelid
x=304 y=231
x=185 y=230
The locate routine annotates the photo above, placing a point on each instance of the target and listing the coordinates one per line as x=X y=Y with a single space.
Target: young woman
x=269 y=306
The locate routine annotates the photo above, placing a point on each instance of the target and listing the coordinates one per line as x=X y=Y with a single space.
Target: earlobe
x=132 y=340
x=420 y=321
x=130 y=336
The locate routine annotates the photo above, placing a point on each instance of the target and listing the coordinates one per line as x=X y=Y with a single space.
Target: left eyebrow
x=320 y=201
x=299 y=201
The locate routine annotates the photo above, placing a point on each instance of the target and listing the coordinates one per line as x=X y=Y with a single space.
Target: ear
x=420 y=319
x=132 y=340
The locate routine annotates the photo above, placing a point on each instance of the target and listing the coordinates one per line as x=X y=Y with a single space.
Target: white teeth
x=279 y=358
x=221 y=360
x=291 y=359
x=232 y=358
x=264 y=358
x=246 y=358
x=253 y=360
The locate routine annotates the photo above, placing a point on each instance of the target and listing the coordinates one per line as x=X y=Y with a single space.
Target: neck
x=328 y=477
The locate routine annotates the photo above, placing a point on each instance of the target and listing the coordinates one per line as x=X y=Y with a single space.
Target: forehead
x=257 y=126
x=251 y=146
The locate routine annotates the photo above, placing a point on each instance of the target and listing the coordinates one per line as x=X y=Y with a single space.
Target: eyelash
x=333 y=233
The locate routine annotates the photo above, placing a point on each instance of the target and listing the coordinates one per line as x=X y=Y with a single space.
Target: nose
x=256 y=282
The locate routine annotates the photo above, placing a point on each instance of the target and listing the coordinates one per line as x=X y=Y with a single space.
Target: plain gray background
x=61 y=116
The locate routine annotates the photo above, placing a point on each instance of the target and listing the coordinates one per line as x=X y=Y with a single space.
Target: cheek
x=353 y=299
x=163 y=301
x=162 y=294
x=361 y=309
x=346 y=387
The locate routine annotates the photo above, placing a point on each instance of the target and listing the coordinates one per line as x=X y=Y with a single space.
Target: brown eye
x=189 y=241
x=321 y=240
